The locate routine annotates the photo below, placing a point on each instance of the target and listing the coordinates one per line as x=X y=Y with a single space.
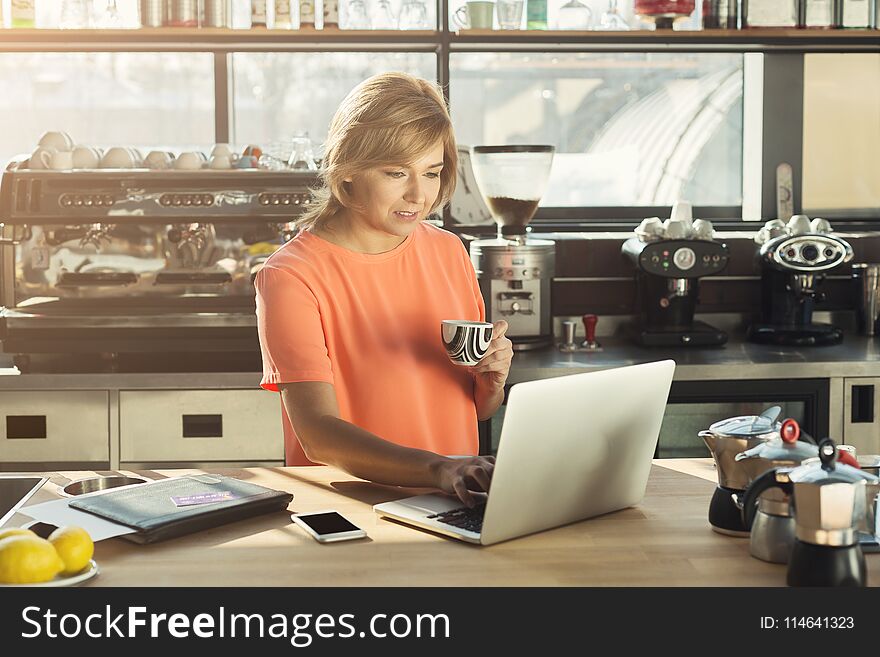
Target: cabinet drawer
x=54 y=426
x=200 y=425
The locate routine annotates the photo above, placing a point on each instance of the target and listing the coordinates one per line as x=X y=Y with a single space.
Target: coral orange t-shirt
x=370 y=325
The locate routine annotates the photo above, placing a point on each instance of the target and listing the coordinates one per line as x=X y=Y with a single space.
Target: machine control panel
x=810 y=252
x=683 y=258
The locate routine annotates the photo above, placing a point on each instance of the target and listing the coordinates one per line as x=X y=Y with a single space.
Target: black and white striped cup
x=466 y=342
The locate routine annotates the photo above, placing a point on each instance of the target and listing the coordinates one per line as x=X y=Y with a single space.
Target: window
x=630 y=129
x=106 y=99
x=279 y=94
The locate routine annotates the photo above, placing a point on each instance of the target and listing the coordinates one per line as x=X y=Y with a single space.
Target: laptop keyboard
x=463 y=518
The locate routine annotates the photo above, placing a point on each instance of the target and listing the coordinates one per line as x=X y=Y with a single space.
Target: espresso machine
x=795 y=258
x=118 y=270
x=669 y=259
x=515 y=271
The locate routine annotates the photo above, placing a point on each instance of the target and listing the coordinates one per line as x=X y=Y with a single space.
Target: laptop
x=572 y=447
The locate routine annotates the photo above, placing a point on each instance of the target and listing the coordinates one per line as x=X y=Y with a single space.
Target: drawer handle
x=26 y=427
x=202 y=426
x=862 y=404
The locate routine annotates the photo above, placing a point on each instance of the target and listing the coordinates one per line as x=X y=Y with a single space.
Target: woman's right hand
x=463 y=477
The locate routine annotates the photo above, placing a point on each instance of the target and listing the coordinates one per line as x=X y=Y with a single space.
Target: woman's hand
x=494 y=366
x=466 y=478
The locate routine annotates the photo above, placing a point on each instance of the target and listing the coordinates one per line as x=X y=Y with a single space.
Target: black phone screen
x=328 y=523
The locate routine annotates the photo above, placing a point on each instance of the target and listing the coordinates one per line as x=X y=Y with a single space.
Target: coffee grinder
x=794 y=259
x=515 y=271
x=669 y=259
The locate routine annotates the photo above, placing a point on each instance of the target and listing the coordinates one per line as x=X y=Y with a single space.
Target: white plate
x=71 y=580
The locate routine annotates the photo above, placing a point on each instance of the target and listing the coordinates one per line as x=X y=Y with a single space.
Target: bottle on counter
x=331 y=14
x=259 y=19
x=307 y=14
x=818 y=13
x=770 y=13
x=536 y=14
x=22 y=13
x=283 y=17
x=184 y=13
x=854 y=14
x=720 y=15
x=216 y=13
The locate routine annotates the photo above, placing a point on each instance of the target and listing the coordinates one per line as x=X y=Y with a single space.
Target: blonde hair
x=388 y=119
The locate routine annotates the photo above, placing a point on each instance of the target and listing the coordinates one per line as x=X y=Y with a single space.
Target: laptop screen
x=14 y=491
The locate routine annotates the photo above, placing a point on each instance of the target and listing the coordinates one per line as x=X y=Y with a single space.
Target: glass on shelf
x=383 y=17
x=302 y=157
x=109 y=18
x=574 y=15
x=75 y=15
x=355 y=15
x=819 y=13
x=414 y=16
x=771 y=13
x=611 y=19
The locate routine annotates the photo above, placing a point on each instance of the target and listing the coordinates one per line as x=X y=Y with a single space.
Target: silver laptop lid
x=574 y=447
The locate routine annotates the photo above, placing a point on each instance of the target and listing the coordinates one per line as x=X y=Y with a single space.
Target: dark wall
x=610 y=289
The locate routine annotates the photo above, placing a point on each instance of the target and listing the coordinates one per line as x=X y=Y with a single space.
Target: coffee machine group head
x=669 y=259
x=794 y=259
x=515 y=271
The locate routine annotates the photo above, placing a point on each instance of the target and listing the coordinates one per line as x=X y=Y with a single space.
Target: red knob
x=790 y=430
x=590 y=327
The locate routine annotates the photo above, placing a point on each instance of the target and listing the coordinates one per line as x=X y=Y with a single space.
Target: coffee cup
x=60 y=141
x=159 y=160
x=220 y=162
x=222 y=149
x=189 y=161
x=118 y=157
x=466 y=341
x=799 y=224
x=86 y=157
x=509 y=14
x=475 y=15
x=57 y=160
x=36 y=159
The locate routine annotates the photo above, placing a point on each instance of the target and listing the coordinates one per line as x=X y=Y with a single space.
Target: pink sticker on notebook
x=203 y=498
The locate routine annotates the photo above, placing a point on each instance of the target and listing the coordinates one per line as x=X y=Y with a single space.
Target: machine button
x=207 y=199
x=829 y=252
x=165 y=200
x=175 y=200
x=197 y=199
x=515 y=307
x=66 y=201
x=108 y=200
x=87 y=201
x=264 y=200
x=791 y=253
x=684 y=258
x=509 y=272
x=187 y=200
x=285 y=200
x=77 y=201
x=810 y=252
x=525 y=273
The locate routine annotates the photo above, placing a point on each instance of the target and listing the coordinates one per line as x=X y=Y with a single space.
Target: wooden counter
x=664 y=541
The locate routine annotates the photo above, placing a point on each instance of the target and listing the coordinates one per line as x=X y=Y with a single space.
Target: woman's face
x=392 y=200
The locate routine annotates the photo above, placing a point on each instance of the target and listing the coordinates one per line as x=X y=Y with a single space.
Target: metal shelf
x=216 y=40
x=750 y=40
x=220 y=40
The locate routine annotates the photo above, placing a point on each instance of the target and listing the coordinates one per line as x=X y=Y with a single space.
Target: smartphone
x=328 y=526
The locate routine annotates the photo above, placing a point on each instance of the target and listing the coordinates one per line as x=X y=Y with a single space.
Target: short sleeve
x=290 y=329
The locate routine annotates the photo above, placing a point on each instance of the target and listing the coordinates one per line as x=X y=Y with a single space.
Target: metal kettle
x=726 y=439
x=830 y=503
x=772 y=525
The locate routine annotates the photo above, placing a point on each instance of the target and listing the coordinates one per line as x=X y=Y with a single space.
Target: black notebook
x=181 y=505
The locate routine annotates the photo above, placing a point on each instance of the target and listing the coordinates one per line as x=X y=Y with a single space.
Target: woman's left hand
x=494 y=367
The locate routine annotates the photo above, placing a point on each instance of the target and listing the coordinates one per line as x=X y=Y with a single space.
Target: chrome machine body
x=126 y=270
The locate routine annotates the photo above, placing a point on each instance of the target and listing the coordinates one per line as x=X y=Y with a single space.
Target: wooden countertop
x=664 y=541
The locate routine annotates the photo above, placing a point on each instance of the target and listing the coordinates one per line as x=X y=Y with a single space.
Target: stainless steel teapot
x=830 y=504
x=725 y=439
x=772 y=526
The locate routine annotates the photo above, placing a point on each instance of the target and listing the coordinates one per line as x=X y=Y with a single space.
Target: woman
x=349 y=311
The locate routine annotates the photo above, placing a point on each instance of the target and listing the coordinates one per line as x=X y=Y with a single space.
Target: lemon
x=74 y=546
x=28 y=560
x=15 y=531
